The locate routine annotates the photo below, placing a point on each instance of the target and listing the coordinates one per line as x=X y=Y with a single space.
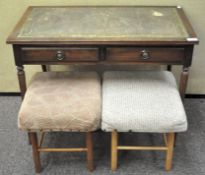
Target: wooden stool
x=143 y=101
x=61 y=101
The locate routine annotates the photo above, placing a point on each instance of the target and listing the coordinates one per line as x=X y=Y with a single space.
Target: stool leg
x=169 y=156
x=89 y=145
x=114 y=150
x=36 y=156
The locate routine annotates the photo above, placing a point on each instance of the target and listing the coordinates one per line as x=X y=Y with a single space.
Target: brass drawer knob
x=60 y=55
x=144 y=55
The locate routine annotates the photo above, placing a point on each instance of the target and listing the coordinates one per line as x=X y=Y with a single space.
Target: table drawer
x=59 y=54
x=151 y=54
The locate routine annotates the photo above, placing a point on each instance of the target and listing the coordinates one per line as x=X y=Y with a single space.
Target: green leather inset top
x=130 y=23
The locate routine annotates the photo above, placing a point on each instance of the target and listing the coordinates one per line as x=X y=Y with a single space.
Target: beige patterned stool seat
x=142 y=101
x=62 y=101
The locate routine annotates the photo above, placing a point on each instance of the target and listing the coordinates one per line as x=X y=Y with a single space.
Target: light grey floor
x=16 y=159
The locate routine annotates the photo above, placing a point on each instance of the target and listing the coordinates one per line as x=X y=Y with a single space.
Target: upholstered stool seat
x=143 y=101
x=62 y=101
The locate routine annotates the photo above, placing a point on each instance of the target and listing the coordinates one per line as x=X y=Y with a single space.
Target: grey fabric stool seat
x=61 y=101
x=142 y=101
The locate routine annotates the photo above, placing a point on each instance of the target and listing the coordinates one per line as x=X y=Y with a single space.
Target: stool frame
x=37 y=148
x=169 y=147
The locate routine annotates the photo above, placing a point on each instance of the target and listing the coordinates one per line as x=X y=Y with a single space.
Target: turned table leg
x=22 y=80
x=182 y=87
x=22 y=85
x=44 y=68
x=183 y=81
x=169 y=68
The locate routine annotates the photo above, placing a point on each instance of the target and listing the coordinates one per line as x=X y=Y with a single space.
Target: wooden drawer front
x=59 y=54
x=172 y=55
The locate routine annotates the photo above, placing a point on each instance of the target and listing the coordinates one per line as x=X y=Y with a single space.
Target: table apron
x=170 y=55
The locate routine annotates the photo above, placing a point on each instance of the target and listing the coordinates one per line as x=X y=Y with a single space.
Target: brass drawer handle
x=144 y=55
x=60 y=55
